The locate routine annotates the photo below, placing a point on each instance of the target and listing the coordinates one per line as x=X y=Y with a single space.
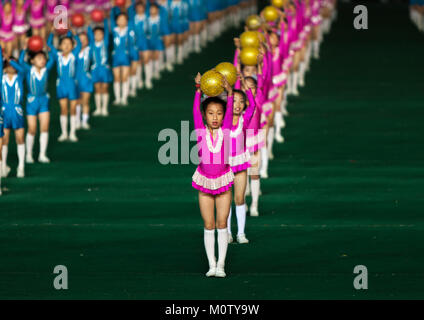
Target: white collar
x=10 y=82
x=40 y=75
x=235 y=133
x=218 y=145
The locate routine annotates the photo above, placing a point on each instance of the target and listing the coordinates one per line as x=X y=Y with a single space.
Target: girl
x=123 y=39
x=38 y=100
x=51 y=4
x=37 y=19
x=213 y=178
x=239 y=157
x=154 y=40
x=84 y=79
x=13 y=115
x=177 y=27
x=168 y=37
x=100 y=69
x=66 y=60
x=140 y=26
x=7 y=36
x=20 y=26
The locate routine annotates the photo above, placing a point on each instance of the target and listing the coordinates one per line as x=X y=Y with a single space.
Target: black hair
x=210 y=100
x=240 y=92
x=33 y=54
x=64 y=38
x=6 y=63
x=121 y=14
x=98 y=28
x=154 y=5
x=253 y=80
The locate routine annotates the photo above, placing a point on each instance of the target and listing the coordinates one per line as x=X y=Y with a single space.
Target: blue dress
x=100 y=68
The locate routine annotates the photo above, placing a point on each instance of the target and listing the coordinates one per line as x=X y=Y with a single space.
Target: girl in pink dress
x=37 y=19
x=20 y=26
x=7 y=36
x=213 y=178
x=50 y=14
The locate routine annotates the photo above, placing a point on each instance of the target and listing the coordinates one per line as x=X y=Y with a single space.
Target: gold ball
x=249 y=56
x=261 y=36
x=270 y=13
x=253 y=22
x=249 y=39
x=229 y=71
x=212 y=83
x=279 y=3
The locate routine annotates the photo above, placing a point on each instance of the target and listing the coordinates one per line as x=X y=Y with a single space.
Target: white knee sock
x=98 y=100
x=197 y=42
x=241 y=218
x=78 y=115
x=139 y=76
x=180 y=54
x=229 y=221
x=222 y=246
x=277 y=123
x=316 y=49
x=64 y=124
x=255 y=185
x=29 y=144
x=156 y=67
x=133 y=89
x=209 y=240
x=85 y=118
x=247 y=186
x=117 y=91
x=270 y=140
x=44 y=141
x=4 y=152
x=72 y=127
x=105 y=103
x=295 y=81
x=149 y=72
x=264 y=160
x=21 y=155
x=125 y=90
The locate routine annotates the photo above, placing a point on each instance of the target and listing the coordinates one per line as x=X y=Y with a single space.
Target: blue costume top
x=100 y=68
x=123 y=41
x=154 y=33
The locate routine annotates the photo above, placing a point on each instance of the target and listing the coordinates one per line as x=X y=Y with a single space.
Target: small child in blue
x=177 y=27
x=36 y=75
x=123 y=39
x=100 y=69
x=66 y=88
x=13 y=114
x=154 y=39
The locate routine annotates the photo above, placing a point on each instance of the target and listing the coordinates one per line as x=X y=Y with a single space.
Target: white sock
x=29 y=141
x=229 y=221
x=125 y=89
x=255 y=186
x=277 y=122
x=78 y=115
x=180 y=54
x=264 y=159
x=241 y=218
x=0 y=175
x=139 y=74
x=133 y=84
x=4 y=152
x=197 y=42
x=21 y=155
x=270 y=141
x=156 y=67
x=295 y=80
x=105 y=102
x=172 y=54
x=247 y=186
x=117 y=90
x=72 y=127
x=85 y=118
x=98 y=100
x=44 y=141
x=209 y=240
x=222 y=246
x=64 y=124
x=149 y=71
x=316 y=49
x=302 y=68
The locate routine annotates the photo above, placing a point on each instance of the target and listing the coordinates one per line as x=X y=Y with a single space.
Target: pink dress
x=51 y=4
x=240 y=156
x=316 y=12
x=255 y=134
x=78 y=6
x=213 y=175
x=20 y=25
x=37 y=19
x=6 y=28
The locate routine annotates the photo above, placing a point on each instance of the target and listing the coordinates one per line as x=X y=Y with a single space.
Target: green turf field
x=346 y=189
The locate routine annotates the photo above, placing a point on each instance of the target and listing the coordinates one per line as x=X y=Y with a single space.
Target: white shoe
x=242 y=239
x=140 y=85
x=124 y=103
x=264 y=175
x=116 y=103
x=296 y=92
x=133 y=94
x=73 y=138
x=149 y=85
x=5 y=172
x=29 y=158
x=43 y=159
x=211 y=272
x=97 y=113
x=280 y=139
x=21 y=172
x=230 y=238
x=86 y=126
x=63 y=137
x=220 y=273
x=169 y=67
x=270 y=155
x=105 y=113
x=254 y=212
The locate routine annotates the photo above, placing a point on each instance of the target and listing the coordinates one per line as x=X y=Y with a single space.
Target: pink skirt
x=213 y=184
x=37 y=22
x=240 y=162
x=280 y=79
x=21 y=29
x=7 y=36
x=255 y=140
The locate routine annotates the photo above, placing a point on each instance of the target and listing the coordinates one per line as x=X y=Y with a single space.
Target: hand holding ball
x=97 y=15
x=249 y=39
x=253 y=22
x=212 y=83
x=249 y=56
x=270 y=14
x=229 y=71
x=78 y=20
x=35 y=43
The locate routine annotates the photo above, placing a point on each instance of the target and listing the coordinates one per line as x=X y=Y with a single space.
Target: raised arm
x=90 y=36
x=78 y=47
x=17 y=67
x=22 y=61
x=53 y=50
x=106 y=33
x=228 y=118
x=248 y=114
x=1 y=62
x=197 y=114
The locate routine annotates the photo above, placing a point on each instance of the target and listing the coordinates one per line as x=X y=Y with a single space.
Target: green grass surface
x=346 y=188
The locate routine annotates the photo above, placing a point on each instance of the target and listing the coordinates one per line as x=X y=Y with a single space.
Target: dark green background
x=345 y=189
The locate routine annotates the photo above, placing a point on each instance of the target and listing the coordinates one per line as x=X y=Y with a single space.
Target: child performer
x=123 y=39
x=240 y=157
x=140 y=25
x=50 y=6
x=7 y=36
x=13 y=115
x=177 y=26
x=154 y=39
x=37 y=20
x=213 y=178
x=168 y=37
x=100 y=69
x=66 y=89
x=38 y=99
x=20 y=26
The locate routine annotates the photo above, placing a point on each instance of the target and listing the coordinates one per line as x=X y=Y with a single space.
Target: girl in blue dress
x=154 y=39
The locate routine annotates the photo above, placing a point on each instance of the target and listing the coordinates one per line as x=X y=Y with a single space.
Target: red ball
x=97 y=15
x=78 y=20
x=61 y=31
x=120 y=3
x=35 y=43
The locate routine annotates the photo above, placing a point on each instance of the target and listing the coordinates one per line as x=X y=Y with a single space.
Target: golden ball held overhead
x=270 y=13
x=212 y=83
x=229 y=71
x=249 y=56
x=279 y=3
x=249 y=39
x=253 y=22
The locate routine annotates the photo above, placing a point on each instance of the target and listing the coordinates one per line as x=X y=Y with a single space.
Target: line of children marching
x=236 y=130
x=137 y=40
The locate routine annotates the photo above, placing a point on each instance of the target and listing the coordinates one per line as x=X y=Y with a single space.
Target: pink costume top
x=6 y=29
x=240 y=156
x=90 y=6
x=37 y=19
x=316 y=12
x=20 y=25
x=213 y=175
x=51 y=4
x=66 y=4
x=255 y=135
x=78 y=6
